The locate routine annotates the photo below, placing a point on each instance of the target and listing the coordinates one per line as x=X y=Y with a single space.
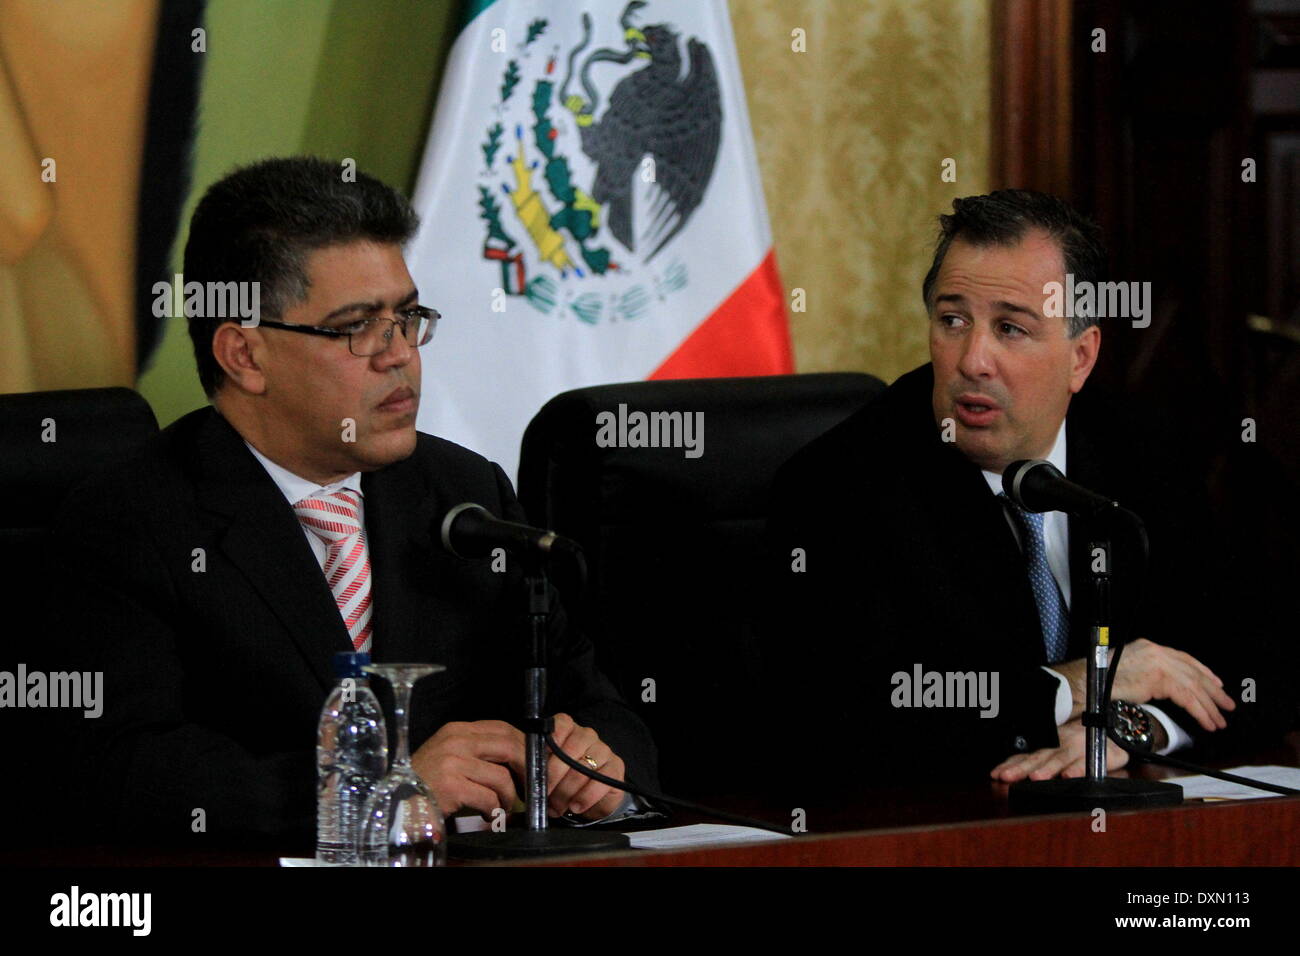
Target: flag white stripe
x=488 y=372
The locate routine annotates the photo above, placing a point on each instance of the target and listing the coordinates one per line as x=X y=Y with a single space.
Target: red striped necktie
x=336 y=520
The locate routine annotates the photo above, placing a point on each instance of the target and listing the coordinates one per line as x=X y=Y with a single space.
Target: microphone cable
x=1154 y=758
x=579 y=562
x=1175 y=762
x=656 y=797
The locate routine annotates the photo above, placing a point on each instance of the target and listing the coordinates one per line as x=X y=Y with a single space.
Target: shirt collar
x=296 y=488
x=1056 y=456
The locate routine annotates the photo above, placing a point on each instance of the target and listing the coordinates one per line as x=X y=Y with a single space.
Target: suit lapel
x=994 y=542
x=400 y=508
x=973 y=527
x=264 y=540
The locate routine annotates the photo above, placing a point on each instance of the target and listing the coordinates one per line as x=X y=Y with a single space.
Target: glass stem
x=401 y=701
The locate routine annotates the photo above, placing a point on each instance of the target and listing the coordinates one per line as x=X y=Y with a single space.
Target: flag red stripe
x=747 y=335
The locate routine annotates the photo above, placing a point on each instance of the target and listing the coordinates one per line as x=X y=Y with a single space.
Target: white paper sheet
x=304 y=861
x=700 y=834
x=669 y=838
x=1210 y=788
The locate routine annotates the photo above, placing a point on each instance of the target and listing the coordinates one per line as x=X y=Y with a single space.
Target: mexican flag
x=591 y=213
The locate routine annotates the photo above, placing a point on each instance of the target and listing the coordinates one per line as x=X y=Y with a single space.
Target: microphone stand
x=1096 y=789
x=538 y=839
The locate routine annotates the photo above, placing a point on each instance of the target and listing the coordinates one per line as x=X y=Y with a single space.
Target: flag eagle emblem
x=579 y=182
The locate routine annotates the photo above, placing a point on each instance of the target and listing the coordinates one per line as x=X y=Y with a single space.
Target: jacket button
x=1021 y=743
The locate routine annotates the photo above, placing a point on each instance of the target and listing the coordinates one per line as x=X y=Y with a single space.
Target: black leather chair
x=49 y=442
x=91 y=429
x=674 y=550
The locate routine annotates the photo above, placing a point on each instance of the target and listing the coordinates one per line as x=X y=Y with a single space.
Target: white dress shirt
x=295 y=489
x=1056 y=539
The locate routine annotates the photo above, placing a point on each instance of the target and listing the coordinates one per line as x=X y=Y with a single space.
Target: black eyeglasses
x=369 y=337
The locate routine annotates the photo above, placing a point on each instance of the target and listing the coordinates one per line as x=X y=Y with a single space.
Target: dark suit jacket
x=201 y=601
x=910 y=560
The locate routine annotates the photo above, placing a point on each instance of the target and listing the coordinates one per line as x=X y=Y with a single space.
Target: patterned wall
x=851 y=137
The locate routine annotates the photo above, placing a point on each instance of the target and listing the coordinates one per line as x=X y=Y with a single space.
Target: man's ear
x=1083 y=356
x=240 y=352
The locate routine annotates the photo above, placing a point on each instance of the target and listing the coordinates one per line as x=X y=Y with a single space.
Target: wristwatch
x=1133 y=725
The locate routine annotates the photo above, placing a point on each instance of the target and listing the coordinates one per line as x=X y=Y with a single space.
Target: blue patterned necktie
x=1052 y=614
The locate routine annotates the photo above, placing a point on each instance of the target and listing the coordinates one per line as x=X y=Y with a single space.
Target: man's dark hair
x=1002 y=218
x=261 y=222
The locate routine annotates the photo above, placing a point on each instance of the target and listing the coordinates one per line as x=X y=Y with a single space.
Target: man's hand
x=1068 y=760
x=572 y=792
x=468 y=765
x=1150 y=671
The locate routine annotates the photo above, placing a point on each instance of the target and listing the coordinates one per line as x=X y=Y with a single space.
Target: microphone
x=471 y=531
x=1038 y=485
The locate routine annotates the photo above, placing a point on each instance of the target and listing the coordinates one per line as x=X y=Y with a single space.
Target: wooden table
x=902 y=825
x=971 y=825
x=1263 y=832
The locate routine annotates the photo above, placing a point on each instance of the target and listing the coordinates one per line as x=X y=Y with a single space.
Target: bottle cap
x=349 y=664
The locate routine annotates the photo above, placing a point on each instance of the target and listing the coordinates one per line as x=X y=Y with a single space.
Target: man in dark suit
x=224 y=567
x=959 y=621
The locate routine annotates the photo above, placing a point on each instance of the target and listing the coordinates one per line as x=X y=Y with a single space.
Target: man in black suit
x=959 y=621
x=203 y=598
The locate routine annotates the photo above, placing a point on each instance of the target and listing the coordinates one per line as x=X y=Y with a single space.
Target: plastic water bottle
x=351 y=757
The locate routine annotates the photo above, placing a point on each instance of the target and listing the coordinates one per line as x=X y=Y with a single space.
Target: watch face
x=1133 y=724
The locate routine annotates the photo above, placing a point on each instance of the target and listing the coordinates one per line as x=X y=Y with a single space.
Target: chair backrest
x=52 y=440
x=49 y=442
x=673 y=538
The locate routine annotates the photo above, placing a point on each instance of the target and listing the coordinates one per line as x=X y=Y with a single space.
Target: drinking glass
x=402 y=825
